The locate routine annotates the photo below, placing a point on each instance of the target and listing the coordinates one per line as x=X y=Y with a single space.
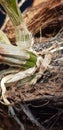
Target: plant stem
x=23 y=36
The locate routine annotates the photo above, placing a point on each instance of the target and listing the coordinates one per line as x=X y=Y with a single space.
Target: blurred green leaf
x=3 y=38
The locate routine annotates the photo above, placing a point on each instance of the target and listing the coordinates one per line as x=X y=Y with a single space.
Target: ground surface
x=45 y=99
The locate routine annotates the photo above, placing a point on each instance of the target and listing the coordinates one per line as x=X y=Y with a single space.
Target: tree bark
x=47 y=15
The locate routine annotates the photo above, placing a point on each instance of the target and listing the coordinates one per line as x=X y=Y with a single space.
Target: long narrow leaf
x=3 y=38
x=23 y=36
x=11 y=7
x=13 y=51
x=12 y=55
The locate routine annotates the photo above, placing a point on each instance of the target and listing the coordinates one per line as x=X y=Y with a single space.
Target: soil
x=44 y=100
x=39 y=107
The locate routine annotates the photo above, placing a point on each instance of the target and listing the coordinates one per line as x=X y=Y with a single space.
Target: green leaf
x=3 y=38
x=31 y=62
x=12 y=9
x=23 y=37
x=13 y=4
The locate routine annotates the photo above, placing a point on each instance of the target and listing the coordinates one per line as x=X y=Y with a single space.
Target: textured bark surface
x=36 y=2
x=47 y=14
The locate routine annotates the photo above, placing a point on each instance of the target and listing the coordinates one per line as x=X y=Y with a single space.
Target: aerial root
x=6 y=102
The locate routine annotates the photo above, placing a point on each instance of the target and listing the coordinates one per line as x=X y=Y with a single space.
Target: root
x=27 y=112
x=11 y=110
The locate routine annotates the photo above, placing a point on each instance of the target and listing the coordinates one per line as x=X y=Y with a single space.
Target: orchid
x=26 y=65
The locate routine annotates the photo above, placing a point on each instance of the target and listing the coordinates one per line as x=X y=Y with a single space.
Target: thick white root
x=6 y=102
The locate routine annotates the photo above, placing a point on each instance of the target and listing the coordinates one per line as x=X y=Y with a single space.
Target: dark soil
x=44 y=100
